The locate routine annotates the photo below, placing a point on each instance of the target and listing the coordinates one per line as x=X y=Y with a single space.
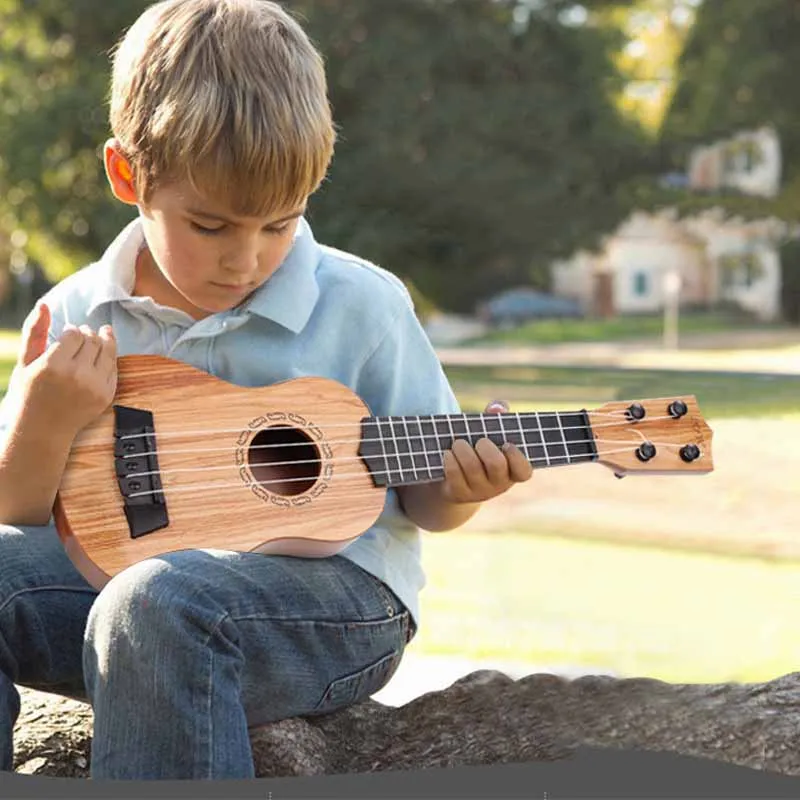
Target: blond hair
x=230 y=95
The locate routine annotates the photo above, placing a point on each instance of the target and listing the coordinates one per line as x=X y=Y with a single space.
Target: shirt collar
x=288 y=298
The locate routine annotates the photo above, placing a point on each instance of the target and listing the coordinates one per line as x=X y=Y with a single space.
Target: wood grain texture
x=203 y=429
x=617 y=438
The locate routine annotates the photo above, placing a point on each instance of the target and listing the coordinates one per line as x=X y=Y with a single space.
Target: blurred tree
x=478 y=137
x=53 y=88
x=477 y=144
x=738 y=71
x=656 y=31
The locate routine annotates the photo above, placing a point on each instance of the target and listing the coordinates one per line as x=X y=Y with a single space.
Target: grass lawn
x=719 y=395
x=675 y=616
x=624 y=327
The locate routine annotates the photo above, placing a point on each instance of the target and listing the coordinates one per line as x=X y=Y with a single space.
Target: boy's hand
x=474 y=475
x=73 y=381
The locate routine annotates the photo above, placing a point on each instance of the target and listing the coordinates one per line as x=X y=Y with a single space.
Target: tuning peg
x=678 y=409
x=689 y=453
x=635 y=412
x=646 y=452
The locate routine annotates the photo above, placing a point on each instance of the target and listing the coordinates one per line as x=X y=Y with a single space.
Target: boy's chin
x=218 y=305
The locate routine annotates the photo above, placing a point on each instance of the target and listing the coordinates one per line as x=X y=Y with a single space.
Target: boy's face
x=203 y=260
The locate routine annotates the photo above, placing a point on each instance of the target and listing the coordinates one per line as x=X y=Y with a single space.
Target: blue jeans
x=179 y=655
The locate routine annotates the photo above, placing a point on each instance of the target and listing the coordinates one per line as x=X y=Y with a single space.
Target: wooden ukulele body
x=217 y=446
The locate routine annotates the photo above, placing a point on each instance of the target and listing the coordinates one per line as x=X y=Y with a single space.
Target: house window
x=641 y=284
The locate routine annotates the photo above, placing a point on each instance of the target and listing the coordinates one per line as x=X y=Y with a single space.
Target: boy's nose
x=243 y=262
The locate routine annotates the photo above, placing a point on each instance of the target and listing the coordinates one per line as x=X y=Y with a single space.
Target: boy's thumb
x=34 y=335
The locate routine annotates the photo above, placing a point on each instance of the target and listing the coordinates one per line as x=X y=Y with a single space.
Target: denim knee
x=150 y=605
x=30 y=557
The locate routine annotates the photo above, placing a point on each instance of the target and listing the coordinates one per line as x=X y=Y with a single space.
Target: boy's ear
x=119 y=173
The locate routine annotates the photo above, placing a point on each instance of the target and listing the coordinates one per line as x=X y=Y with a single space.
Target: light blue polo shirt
x=323 y=313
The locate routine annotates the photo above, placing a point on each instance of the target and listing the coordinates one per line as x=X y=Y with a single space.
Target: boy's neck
x=150 y=282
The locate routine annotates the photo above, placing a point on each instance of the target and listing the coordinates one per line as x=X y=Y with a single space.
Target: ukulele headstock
x=663 y=435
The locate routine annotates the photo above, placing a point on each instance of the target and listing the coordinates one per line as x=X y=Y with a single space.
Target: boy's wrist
x=428 y=506
x=43 y=427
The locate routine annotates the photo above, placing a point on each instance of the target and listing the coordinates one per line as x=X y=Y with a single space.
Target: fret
x=434 y=447
x=523 y=439
x=493 y=429
x=460 y=428
x=387 y=447
x=540 y=444
x=445 y=435
x=578 y=435
x=551 y=436
x=502 y=429
x=408 y=446
x=563 y=437
x=452 y=432
x=426 y=449
x=405 y=464
x=476 y=427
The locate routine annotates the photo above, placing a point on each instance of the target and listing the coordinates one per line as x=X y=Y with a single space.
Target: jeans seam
x=54 y=588
x=361 y=623
x=212 y=633
x=209 y=715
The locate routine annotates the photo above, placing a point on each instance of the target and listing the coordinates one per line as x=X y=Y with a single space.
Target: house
x=706 y=259
x=749 y=162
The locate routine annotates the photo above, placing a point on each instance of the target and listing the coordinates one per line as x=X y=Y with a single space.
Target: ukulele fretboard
x=406 y=450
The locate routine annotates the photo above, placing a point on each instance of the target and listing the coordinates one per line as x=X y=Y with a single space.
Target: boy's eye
x=277 y=231
x=203 y=229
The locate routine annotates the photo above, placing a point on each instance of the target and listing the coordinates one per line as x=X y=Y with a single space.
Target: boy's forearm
x=32 y=463
x=425 y=505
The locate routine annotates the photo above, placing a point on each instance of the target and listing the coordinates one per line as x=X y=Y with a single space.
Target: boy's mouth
x=233 y=287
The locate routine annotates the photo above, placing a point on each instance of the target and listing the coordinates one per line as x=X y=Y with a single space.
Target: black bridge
x=138 y=475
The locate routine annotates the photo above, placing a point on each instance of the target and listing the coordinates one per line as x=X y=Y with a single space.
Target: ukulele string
x=353 y=477
x=380 y=421
x=390 y=438
x=400 y=471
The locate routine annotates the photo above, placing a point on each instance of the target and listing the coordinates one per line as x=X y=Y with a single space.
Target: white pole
x=672 y=294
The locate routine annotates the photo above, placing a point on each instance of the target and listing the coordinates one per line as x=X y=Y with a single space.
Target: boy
x=222 y=131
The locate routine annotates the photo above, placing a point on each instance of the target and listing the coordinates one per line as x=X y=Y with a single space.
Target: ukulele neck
x=400 y=451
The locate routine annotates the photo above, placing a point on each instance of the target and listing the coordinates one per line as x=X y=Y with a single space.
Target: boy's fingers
x=493 y=462
x=519 y=468
x=475 y=478
x=497 y=407
x=67 y=346
x=457 y=487
x=108 y=350
x=34 y=335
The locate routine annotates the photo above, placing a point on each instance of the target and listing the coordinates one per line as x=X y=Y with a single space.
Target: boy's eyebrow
x=196 y=212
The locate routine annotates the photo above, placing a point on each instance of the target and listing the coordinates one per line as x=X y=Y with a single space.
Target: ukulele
x=183 y=460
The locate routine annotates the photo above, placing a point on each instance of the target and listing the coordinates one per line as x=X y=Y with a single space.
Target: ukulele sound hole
x=284 y=460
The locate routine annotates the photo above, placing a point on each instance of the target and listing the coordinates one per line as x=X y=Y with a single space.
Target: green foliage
x=739 y=71
x=469 y=155
x=53 y=86
x=472 y=152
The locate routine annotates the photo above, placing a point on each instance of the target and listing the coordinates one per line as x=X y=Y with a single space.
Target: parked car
x=516 y=306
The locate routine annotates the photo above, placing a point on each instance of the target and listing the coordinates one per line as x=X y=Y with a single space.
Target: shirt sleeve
x=403 y=375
